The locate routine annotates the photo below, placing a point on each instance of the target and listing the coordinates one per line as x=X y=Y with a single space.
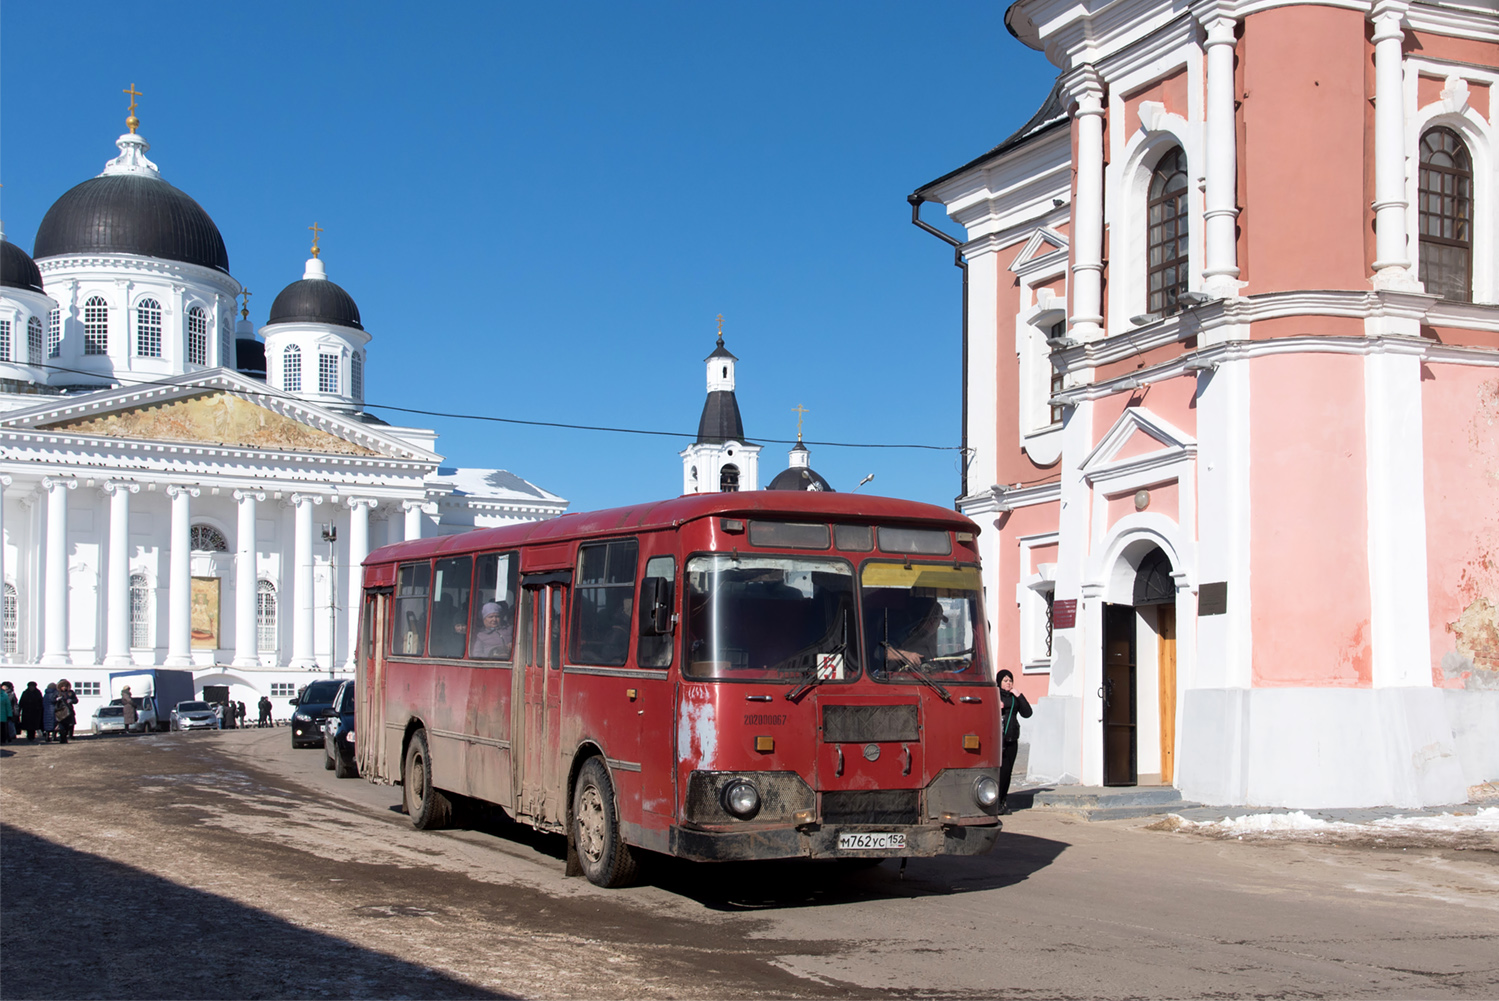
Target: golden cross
x=801 y=411
x=245 y=312
x=316 y=229
x=720 y=326
x=132 y=121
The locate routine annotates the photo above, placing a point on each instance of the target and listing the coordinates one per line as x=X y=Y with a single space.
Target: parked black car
x=338 y=735
x=313 y=703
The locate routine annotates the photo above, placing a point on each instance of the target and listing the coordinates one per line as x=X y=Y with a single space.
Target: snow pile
x=1297 y=824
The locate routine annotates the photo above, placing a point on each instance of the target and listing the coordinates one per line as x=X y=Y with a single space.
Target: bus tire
x=428 y=807
x=606 y=859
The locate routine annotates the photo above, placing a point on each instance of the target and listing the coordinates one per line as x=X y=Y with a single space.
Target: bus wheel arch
x=596 y=847
x=428 y=807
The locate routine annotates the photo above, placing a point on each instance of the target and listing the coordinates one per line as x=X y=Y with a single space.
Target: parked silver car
x=194 y=716
x=109 y=719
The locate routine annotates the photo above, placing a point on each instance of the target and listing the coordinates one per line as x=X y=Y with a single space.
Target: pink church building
x=1232 y=397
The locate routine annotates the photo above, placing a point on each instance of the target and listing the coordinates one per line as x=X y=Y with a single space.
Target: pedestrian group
x=49 y=712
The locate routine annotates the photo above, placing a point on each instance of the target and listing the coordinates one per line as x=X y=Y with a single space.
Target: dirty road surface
x=227 y=865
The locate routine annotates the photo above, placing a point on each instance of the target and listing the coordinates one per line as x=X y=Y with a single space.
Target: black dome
x=799 y=479
x=131 y=214
x=315 y=300
x=249 y=358
x=17 y=269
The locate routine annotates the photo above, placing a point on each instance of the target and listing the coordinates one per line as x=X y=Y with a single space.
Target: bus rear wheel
x=605 y=858
x=429 y=808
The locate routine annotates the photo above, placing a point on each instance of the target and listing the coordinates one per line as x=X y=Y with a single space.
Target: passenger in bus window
x=493 y=639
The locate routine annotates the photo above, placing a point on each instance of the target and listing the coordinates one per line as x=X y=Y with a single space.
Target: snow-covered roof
x=494 y=484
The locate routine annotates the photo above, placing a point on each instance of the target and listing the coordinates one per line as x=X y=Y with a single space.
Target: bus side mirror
x=655 y=593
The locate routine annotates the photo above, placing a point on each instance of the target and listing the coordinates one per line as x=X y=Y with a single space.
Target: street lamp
x=330 y=536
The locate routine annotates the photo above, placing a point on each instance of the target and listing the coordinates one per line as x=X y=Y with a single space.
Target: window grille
x=1054 y=384
x=728 y=479
x=148 y=328
x=291 y=370
x=356 y=377
x=1050 y=598
x=10 y=620
x=265 y=622
x=96 y=326
x=327 y=373
x=85 y=688
x=283 y=689
x=54 y=333
x=4 y=340
x=34 y=341
x=1446 y=215
x=1166 y=240
x=206 y=538
x=197 y=336
x=140 y=611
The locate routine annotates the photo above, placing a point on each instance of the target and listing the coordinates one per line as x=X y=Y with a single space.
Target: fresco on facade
x=205 y=614
x=218 y=418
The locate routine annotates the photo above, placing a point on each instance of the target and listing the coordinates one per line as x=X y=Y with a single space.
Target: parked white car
x=194 y=716
x=109 y=719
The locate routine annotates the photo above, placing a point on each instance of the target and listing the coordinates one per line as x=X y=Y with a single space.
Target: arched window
x=54 y=333
x=10 y=620
x=148 y=328
x=34 y=341
x=1446 y=215
x=4 y=340
x=291 y=370
x=728 y=479
x=96 y=326
x=1153 y=583
x=327 y=373
x=265 y=617
x=207 y=539
x=356 y=377
x=140 y=610
x=1166 y=238
x=197 y=336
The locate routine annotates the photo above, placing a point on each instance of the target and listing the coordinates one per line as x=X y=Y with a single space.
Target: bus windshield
x=922 y=624
x=769 y=618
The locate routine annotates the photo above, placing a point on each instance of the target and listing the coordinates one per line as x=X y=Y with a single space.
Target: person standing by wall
x=265 y=711
x=127 y=703
x=9 y=710
x=49 y=712
x=1012 y=706
x=62 y=708
x=31 y=710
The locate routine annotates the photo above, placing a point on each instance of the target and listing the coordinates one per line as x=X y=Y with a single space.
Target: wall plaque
x=1212 y=599
x=1064 y=613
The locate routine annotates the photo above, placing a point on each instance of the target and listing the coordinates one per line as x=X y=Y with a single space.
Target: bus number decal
x=751 y=719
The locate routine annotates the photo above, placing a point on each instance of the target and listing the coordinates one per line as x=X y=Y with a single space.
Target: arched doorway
x=1153 y=596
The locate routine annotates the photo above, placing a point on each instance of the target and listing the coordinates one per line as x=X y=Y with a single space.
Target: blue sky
x=540 y=209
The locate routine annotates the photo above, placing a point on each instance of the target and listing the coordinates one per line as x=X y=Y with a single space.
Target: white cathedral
x=182 y=493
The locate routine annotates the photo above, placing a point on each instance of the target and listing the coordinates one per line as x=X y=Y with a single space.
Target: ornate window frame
x=141 y=619
x=291 y=368
x=1033 y=594
x=197 y=335
x=34 y=341
x=266 y=616
x=95 y=315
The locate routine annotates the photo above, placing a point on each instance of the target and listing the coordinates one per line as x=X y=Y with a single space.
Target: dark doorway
x=1118 y=692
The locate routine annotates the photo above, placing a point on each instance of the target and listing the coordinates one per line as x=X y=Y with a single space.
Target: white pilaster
x=1220 y=276
x=302 y=655
x=246 y=581
x=413 y=518
x=1087 y=210
x=179 y=579
x=359 y=548
x=1392 y=255
x=55 y=628
x=117 y=592
x=1399 y=621
x=983 y=348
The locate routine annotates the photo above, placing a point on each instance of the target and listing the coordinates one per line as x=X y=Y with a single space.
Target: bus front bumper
x=822 y=842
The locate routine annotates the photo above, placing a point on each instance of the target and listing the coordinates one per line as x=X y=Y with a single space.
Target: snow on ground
x=1478 y=828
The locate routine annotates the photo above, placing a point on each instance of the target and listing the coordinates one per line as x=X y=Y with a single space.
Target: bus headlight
x=986 y=790
x=742 y=799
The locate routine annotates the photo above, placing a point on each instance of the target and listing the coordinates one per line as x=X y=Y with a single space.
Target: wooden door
x=1166 y=630
x=1118 y=694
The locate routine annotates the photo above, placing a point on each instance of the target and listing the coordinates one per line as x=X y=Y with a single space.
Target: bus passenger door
x=369 y=685
x=538 y=698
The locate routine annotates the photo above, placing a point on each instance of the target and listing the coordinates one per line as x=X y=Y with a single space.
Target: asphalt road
x=226 y=865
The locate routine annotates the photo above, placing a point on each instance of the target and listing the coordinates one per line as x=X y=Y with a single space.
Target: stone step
x=1105 y=803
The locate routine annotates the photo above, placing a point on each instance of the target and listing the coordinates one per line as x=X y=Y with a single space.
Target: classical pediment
x=1138 y=440
x=211 y=418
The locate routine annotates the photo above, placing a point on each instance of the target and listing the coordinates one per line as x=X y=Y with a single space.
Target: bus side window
x=492 y=624
x=657 y=590
x=450 y=607
x=602 y=598
x=409 y=624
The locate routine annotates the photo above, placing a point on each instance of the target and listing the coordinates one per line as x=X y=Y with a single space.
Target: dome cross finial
x=316 y=232
x=720 y=330
x=244 y=313
x=801 y=412
x=132 y=123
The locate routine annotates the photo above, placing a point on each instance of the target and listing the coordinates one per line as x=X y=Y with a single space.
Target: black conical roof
x=315 y=300
x=17 y=269
x=131 y=214
x=720 y=421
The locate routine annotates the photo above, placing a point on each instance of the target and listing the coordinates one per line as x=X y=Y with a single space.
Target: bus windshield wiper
x=816 y=677
x=904 y=664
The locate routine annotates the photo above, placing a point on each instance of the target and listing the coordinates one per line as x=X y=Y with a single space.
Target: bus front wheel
x=603 y=854
x=429 y=808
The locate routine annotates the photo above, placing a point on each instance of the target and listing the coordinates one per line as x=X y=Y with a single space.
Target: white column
x=117 y=588
x=1220 y=276
x=413 y=519
x=1392 y=255
x=179 y=579
x=246 y=582
x=5 y=481
x=1087 y=209
x=302 y=655
x=55 y=627
x=359 y=548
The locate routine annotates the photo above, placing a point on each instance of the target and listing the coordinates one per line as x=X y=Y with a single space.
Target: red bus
x=721 y=676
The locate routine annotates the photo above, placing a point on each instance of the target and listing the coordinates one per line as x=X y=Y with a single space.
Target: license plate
x=864 y=841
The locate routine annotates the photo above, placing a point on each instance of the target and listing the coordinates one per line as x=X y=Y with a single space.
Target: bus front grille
x=871 y=806
x=862 y=724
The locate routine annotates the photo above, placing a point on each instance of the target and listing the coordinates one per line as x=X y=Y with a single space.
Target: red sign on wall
x=1064 y=613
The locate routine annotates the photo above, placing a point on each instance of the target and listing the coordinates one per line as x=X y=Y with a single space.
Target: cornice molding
x=78 y=268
